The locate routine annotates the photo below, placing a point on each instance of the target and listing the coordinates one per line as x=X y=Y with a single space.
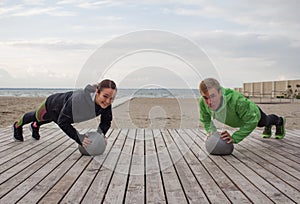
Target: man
x=233 y=109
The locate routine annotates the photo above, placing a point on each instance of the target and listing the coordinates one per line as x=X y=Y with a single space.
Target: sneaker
x=18 y=133
x=280 y=129
x=34 y=131
x=267 y=133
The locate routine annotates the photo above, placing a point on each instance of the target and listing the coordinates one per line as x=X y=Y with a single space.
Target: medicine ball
x=215 y=145
x=97 y=145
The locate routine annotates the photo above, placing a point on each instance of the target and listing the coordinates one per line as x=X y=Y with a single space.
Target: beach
x=145 y=112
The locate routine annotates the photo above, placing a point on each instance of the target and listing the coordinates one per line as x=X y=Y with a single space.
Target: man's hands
x=226 y=136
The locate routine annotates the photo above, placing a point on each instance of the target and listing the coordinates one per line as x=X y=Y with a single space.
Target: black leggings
x=40 y=116
x=268 y=120
x=31 y=117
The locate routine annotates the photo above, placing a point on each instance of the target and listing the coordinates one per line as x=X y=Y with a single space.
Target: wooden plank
x=275 y=143
x=149 y=166
x=250 y=190
x=278 y=183
x=283 y=150
x=255 y=150
x=136 y=187
x=208 y=185
x=6 y=136
x=12 y=145
x=56 y=183
x=97 y=190
x=82 y=184
x=271 y=167
x=118 y=185
x=154 y=183
x=234 y=194
x=6 y=133
x=268 y=189
x=15 y=148
x=173 y=188
x=19 y=174
x=9 y=170
x=272 y=158
x=276 y=155
x=23 y=188
x=294 y=132
x=191 y=187
x=11 y=160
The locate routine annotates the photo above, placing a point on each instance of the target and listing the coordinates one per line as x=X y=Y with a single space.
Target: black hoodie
x=76 y=106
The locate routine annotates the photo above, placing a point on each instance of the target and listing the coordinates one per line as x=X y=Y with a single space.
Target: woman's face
x=105 y=97
x=213 y=98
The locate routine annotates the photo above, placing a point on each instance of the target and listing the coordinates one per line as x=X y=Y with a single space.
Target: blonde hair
x=207 y=84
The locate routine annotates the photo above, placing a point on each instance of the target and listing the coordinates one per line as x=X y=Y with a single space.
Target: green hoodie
x=235 y=111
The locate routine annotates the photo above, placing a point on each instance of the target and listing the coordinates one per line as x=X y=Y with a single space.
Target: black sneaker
x=18 y=133
x=34 y=131
x=280 y=129
x=267 y=133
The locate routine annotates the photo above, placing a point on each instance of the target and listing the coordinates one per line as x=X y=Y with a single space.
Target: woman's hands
x=86 y=141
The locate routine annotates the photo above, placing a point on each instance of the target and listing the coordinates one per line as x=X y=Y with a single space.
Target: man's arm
x=250 y=115
x=205 y=118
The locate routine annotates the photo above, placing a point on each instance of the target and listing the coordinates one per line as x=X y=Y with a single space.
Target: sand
x=145 y=112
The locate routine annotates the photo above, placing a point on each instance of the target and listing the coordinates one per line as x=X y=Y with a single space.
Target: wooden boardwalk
x=148 y=166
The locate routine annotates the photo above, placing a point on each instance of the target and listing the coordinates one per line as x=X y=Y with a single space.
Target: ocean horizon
x=123 y=95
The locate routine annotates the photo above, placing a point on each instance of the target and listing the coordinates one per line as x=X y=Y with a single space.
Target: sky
x=148 y=43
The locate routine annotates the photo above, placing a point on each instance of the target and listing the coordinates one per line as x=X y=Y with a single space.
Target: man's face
x=213 y=98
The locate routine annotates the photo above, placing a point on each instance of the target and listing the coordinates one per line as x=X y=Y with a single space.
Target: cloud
x=263 y=15
x=260 y=37
x=31 y=9
x=36 y=77
x=6 y=11
x=90 y=4
x=5 y=77
x=51 y=11
x=56 y=44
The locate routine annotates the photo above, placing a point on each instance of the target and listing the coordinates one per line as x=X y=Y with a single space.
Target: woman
x=72 y=107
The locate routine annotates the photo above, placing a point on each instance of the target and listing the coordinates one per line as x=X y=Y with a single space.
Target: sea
x=123 y=95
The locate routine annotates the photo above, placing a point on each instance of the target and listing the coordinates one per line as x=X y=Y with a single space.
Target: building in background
x=286 y=89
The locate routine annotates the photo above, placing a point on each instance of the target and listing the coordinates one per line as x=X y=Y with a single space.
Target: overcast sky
x=50 y=43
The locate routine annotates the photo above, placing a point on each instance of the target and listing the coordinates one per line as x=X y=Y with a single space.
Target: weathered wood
x=136 y=187
x=98 y=188
x=208 y=185
x=11 y=160
x=225 y=184
x=278 y=183
x=289 y=165
x=173 y=188
x=19 y=173
x=23 y=188
x=193 y=191
x=82 y=184
x=274 y=158
x=154 y=183
x=53 y=187
x=148 y=166
x=284 y=150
